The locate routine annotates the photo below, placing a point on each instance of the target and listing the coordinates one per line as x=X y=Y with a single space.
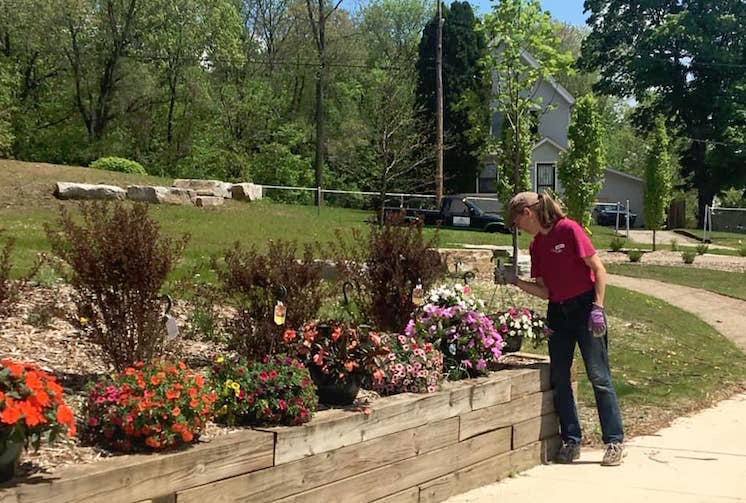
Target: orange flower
x=16 y=370
x=155 y=381
x=65 y=416
x=31 y=415
x=129 y=371
x=289 y=335
x=187 y=436
x=182 y=365
x=11 y=414
x=178 y=427
x=173 y=394
x=176 y=411
x=33 y=382
x=198 y=380
x=193 y=403
x=192 y=392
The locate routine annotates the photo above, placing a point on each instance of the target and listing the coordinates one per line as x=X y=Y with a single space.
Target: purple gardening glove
x=596 y=321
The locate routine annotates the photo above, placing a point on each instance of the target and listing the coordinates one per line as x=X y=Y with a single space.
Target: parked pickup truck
x=458 y=212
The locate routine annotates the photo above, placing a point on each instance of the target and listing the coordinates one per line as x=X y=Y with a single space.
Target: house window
x=545 y=174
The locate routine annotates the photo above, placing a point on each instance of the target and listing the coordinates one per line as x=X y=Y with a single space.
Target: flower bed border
x=410 y=448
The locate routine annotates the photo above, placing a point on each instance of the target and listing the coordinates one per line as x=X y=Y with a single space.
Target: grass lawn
x=732 y=284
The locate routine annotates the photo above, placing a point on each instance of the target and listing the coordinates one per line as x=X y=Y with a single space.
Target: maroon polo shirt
x=557 y=258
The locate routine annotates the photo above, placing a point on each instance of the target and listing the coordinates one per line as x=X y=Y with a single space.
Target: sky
x=568 y=11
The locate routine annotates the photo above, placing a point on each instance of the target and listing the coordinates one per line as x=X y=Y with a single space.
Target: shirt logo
x=558 y=248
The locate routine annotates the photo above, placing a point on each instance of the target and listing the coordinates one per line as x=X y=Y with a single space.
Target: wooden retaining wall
x=409 y=448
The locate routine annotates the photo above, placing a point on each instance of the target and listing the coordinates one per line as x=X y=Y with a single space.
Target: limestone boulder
x=208 y=201
x=161 y=195
x=246 y=191
x=214 y=188
x=89 y=192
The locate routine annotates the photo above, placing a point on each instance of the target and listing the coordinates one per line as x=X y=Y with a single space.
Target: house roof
x=548 y=140
x=564 y=93
x=623 y=175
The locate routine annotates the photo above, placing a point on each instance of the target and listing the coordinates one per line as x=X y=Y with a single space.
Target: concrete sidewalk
x=701 y=458
x=697 y=459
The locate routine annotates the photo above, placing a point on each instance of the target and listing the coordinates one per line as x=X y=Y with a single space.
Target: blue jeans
x=568 y=322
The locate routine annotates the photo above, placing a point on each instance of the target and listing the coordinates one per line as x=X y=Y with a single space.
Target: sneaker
x=613 y=455
x=569 y=452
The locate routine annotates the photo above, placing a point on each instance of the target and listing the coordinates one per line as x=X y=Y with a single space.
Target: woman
x=568 y=272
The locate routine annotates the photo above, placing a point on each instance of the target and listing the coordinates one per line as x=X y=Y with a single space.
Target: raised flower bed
x=409 y=447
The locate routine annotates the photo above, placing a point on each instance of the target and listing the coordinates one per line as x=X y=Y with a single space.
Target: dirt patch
x=670 y=258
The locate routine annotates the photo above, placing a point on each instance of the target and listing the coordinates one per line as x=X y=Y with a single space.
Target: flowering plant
x=466 y=337
x=456 y=295
x=276 y=390
x=155 y=406
x=337 y=350
x=411 y=365
x=31 y=405
x=521 y=322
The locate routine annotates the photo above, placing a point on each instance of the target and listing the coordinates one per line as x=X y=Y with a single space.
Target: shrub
x=741 y=248
x=467 y=338
x=616 y=244
x=337 y=350
x=702 y=248
x=119 y=164
x=394 y=261
x=276 y=390
x=688 y=256
x=634 y=255
x=118 y=261
x=8 y=291
x=31 y=405
x=251 y=282
x=156 y=406
x=674 y=245
x=411 y=366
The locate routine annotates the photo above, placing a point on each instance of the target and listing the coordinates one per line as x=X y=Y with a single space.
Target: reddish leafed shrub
x=118 y=261
x=252 y=282
x=387 y=267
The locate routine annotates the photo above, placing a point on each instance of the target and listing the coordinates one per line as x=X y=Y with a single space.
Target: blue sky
x=568 y=11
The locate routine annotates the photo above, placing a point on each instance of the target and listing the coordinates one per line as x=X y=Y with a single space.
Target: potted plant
x=517 y=324
x=412 y=365
x=149 y=407
x=338 y=357
x=31 y=408
x=275 y=390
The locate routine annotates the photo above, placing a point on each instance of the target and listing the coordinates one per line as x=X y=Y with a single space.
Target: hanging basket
x=512 y=344
x=332 y=391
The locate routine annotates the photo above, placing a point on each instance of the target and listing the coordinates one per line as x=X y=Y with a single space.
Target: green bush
x=118 y=261
x=120 y=165
x=702 y=249
x=742 y=248
x=616 y=244
x=674 y=245
x=634 y=255
x=688 y=256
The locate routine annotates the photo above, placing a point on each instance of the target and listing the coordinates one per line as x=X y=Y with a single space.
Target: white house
x=554 y=122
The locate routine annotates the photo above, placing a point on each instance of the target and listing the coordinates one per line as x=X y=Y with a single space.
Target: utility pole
x=439 y=107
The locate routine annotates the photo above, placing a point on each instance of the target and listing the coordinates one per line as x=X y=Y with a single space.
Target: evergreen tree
x=581 y=170
x=657 y=177
x=464 y=120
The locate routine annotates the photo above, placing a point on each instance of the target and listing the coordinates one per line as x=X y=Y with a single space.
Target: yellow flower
x=83 y=321
x=220 y=359
x=235 y=386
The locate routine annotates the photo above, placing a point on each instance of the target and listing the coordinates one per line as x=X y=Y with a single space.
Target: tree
x=658 y=184
x=581 y=169
x=684 y=60
x=466 y=94
x=521 y=54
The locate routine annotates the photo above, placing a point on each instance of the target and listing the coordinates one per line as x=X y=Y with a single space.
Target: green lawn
x=732 y=284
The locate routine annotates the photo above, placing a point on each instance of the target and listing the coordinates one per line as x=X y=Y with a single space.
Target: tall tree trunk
x=516 y=180
x=319 y=159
